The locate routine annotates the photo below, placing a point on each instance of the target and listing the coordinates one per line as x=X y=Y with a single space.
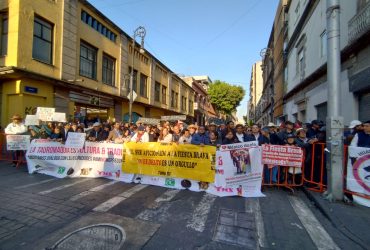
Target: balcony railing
x=359 y=24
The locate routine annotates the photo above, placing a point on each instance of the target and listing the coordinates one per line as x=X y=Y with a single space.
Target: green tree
x=225 y=97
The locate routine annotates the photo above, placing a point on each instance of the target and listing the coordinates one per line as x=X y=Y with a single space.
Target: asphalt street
x=42 y=212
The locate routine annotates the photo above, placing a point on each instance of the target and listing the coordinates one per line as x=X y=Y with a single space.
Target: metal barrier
x=283 y=176
x=315 y=171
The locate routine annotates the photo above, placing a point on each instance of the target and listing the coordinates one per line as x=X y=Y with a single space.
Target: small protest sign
x=75 y=140
x=45 y=114
x=17 y=142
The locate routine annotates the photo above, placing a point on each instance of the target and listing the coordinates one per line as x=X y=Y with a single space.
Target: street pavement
x=42 y=212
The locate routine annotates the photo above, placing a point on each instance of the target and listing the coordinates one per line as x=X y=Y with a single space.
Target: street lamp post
x=139 y=32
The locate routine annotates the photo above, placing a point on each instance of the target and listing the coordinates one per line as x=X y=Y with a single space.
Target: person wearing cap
x=290 y=140
x=302 y=141
x=362 y=138
x=274 y=138
x=355 y=126
x=96 y=133
x=16 y=127
x=140 y=135
x=192 y=129
x=313 y=131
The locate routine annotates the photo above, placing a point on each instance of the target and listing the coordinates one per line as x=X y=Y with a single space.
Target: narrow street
x=38 y=210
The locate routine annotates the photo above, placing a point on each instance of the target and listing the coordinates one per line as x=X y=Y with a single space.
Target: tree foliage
x=225 y=97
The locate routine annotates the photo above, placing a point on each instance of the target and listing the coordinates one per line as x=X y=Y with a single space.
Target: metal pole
x=334 y=122
x=131 y=80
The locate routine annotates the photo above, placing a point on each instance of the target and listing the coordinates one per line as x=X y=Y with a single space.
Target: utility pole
x=334 y=122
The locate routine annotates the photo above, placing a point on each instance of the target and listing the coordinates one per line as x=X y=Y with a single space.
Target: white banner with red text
x=94 y=160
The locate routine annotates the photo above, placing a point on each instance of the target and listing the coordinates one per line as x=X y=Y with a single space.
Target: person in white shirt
x=16 y=127
x=165 y=136
x=140 y=135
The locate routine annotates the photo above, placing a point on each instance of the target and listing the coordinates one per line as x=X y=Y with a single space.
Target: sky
x=218 y=38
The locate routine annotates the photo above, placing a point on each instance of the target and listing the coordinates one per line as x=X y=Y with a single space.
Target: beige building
x=68 y=55
x=255 y=90
x=204 y=111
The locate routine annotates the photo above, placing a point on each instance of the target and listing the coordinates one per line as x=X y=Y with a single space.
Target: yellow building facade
x=68 y=55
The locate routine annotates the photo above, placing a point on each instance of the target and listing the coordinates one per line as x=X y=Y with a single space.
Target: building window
x=157 y=91
x=172 y=99
x=183 y=103
x=322 y=111
x=296 y=13
x=191 y=105
x=109 y=70
x=96 y=25
x=300 y=64
x=4 y=34
x=143 y=85
x=42 y=49
x=134 y=80
x=176 y=100
x=164 y=94
x=88 y=61
x=323 y=44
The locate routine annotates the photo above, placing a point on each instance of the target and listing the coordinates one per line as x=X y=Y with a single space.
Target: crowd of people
x=287 y=133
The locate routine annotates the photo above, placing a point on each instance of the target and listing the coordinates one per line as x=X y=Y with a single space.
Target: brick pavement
x=21 y=210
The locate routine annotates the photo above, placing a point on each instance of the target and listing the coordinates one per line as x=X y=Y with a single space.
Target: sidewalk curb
x=336 y=222
x=317 y=204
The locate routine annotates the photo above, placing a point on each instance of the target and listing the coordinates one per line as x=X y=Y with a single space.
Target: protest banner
x=173 y=117
x=358 y=173
x=75 y=140
x=45 y=114
x=31 y=120
x=238 y=170
x=282 y=155
x=17 y=142
x=58 y=117
x=168 y=182
x=149 y=121
x=94 y=160
x=170 y=160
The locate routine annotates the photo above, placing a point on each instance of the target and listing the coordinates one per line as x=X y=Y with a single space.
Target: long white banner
x=94 y=160
x=238 y=167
